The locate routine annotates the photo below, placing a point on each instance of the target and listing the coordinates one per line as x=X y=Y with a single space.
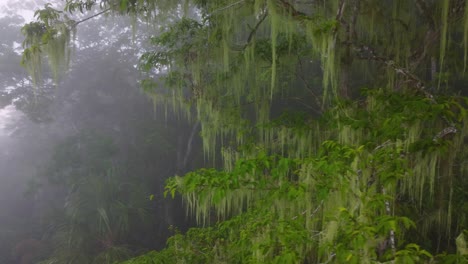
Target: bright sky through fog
x=24 y=8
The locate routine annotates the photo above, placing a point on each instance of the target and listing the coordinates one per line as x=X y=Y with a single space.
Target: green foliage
x=51 y=33
x=84 y=154
x=339 y=205
x=100 y=206
x=375 y=179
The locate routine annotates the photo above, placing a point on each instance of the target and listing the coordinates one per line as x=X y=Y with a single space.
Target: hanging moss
x=443 y=33
x=465 y=36
x=58 y=51
x=274 y=17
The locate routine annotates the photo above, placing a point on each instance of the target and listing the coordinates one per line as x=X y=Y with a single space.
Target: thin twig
x=313 y=212
x=91 y=17
x=291 y=10
x=227 y=7
x=239 y=47
x=189 y=144
x=386 y=143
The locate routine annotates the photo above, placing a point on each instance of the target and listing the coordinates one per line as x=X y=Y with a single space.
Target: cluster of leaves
x=50 y=34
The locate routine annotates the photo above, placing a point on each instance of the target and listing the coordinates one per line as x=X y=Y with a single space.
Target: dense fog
x=260 y=131
x=62 y=140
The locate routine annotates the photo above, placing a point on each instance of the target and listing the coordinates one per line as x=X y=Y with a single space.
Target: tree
x=87 y=206
x=377 y=177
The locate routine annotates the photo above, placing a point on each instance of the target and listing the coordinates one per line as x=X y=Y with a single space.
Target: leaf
x=103 y=217
x=425 y=253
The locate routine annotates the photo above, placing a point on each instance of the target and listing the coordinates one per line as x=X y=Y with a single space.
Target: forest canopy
x=338 y=128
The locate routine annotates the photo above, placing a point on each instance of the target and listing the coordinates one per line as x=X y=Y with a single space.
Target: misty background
x=89 y=146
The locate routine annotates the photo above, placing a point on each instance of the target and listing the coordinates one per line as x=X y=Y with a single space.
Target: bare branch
x=251 y=34
x=356 y=5
x=446 y=131
x=291 y=10
x=391 y=232
x=386 y=143
x=254 y=30
x=339 y=14
x=313 y=212
x=227 y=7
x=91 y=17
x=366 y=52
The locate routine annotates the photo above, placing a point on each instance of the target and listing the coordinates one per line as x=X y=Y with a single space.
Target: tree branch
x=227 y=7
x=291 y=10
x=254 y=30
x=339 y=15
x=91 y=17
x=446 y=131
x=391 y=232
x=424 y=9
x=251 y=34
x=189 y=144
x=366 y=52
